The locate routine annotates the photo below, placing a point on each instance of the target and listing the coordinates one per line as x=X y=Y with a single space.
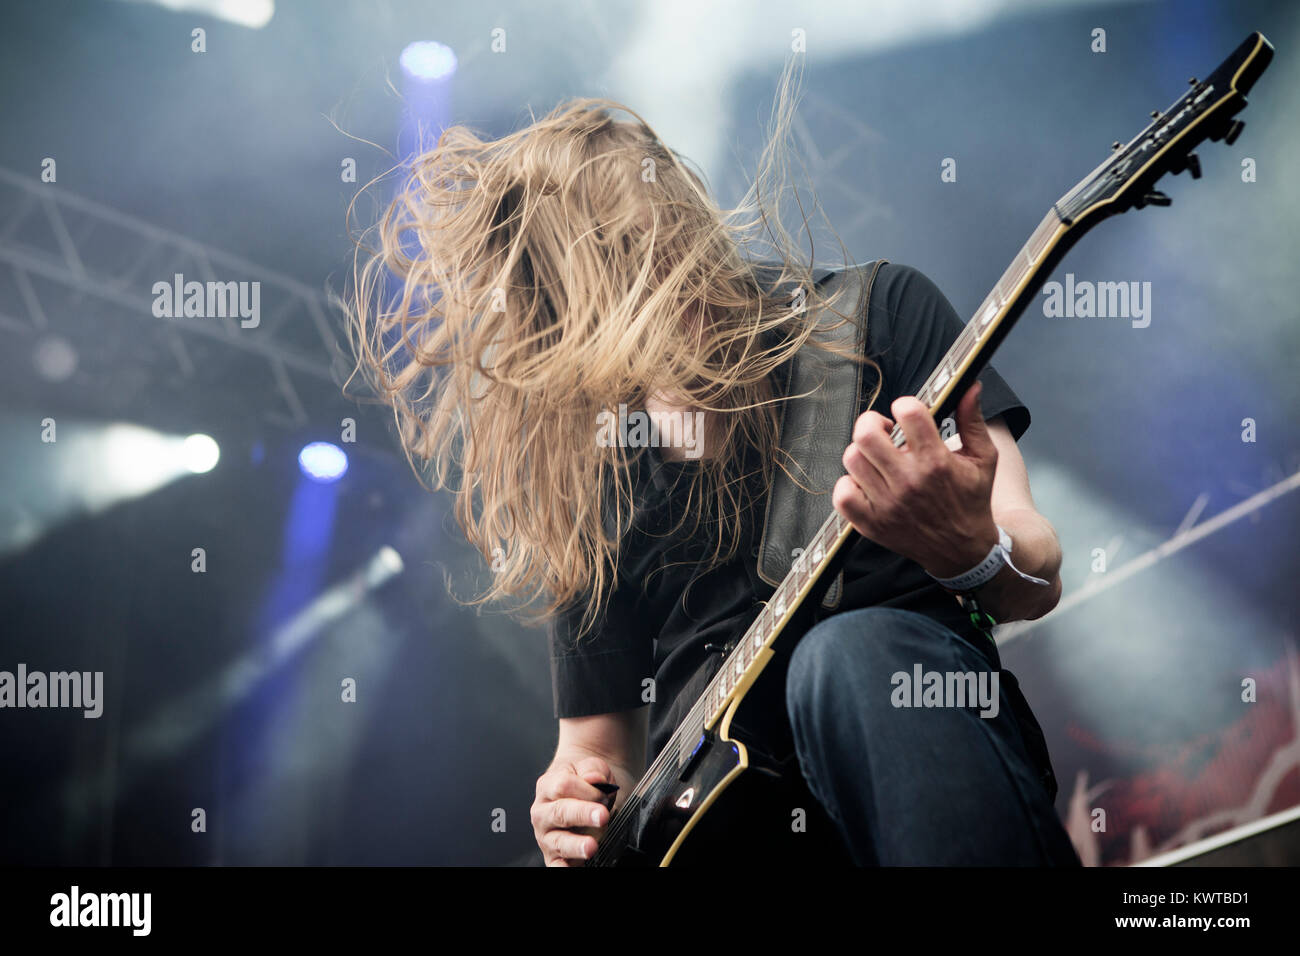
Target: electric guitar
x=689 y=800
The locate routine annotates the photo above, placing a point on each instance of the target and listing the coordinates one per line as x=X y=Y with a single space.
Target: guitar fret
x=1024 y=264
x=1037 y=244
x=1042 y=236
x=1021 y=265
x=1000 y=295
x=987 y=311
x=941 y=376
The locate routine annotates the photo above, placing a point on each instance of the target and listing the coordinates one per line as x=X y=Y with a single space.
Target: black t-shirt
x=656 y=627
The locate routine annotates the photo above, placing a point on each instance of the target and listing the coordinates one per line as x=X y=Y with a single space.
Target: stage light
x=254 y=14
x=92 y=467
x=125 y=461
x=385 y=564
x=178 y=721
x=321 y=461
x=55 y=359
x=200 y=453
x=427 y=60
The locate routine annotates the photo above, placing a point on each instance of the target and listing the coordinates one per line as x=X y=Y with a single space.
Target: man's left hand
x=924 y=501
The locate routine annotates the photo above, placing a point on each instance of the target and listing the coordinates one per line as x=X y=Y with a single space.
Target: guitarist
x=580 y=266
x=903 y=786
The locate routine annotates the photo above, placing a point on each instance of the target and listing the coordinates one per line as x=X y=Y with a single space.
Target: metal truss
x=52 y=239
x=838 y=170
x=1188 y=533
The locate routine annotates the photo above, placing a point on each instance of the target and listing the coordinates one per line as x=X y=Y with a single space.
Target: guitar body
x=723 y=811
x=731 y=801
x=678 y=806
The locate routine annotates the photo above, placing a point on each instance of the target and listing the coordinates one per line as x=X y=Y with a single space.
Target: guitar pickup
x=693 y=759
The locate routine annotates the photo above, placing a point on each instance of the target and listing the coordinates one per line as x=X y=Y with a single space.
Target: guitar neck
x=954 y=373
x=1004 y=304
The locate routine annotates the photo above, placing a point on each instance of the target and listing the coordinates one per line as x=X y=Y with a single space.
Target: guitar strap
x=815 y=427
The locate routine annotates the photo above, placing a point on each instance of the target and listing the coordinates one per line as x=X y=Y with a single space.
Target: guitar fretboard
x=1018 y=274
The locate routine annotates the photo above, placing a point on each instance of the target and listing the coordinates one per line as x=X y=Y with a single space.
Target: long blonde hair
x=521 y=286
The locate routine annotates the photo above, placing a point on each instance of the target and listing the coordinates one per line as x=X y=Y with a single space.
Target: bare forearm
x=1036 y=551
x=618 y=739
x=627 y=768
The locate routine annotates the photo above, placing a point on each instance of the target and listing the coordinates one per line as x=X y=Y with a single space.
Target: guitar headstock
x=1206 y=111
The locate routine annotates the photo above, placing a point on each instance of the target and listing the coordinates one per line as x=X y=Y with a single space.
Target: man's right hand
x=567 y=814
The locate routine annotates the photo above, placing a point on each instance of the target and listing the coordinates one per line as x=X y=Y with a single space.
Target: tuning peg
x=1154 y=198
x=1192 y=81
x=1189 y=162
x=1115 y=145
x=1233 y=130
x=1155 y=114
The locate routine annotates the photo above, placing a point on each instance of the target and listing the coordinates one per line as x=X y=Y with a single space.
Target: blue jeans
x=917 y=785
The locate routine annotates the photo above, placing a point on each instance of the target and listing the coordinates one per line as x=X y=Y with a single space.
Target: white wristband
x=984 y=572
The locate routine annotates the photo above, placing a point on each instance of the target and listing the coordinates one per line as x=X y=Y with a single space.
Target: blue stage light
x=321 y=461
x=427 y=60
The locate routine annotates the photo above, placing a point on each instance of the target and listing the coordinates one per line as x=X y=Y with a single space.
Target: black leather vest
x=816 y=425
